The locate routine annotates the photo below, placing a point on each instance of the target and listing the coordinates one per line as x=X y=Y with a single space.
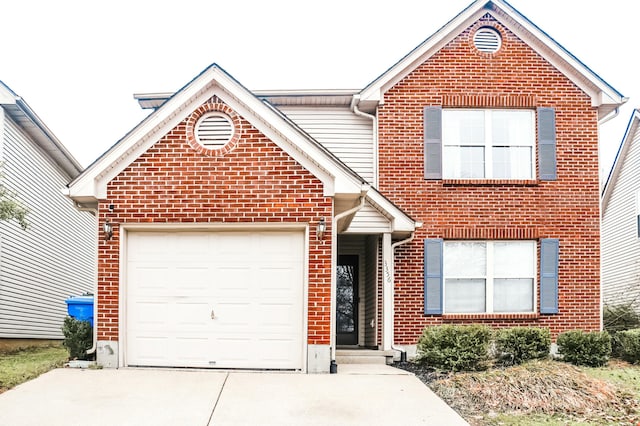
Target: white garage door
x=215 y=299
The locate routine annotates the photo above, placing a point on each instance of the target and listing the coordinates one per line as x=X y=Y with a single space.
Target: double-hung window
x=488 y=144
x=489 y=276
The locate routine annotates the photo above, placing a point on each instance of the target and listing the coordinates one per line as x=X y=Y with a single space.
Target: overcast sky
x=78 y=63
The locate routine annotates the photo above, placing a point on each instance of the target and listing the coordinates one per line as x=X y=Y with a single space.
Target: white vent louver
x=214 y=130
x=487 y=40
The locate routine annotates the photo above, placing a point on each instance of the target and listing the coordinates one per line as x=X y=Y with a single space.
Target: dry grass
x=544 y=387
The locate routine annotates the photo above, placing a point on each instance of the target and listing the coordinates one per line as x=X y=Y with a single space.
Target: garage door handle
x=213 y=315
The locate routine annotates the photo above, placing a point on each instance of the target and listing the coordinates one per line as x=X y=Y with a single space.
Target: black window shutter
x=547 y=143
x=433 y=280
x=549 y=257
x=433 y=142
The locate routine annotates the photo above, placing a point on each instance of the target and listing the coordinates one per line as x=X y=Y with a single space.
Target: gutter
x=403 y=353
x=93 y=348
x=613 y=114
x=334 y=242
x=374 y=119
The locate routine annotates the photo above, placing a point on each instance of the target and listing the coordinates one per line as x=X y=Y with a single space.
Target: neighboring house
x=56 y=256
x=270 y=229
x=621 y=222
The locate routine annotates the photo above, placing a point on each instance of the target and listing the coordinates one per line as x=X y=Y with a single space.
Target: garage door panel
x=192 y=314
x=232 y=317
x=251 y=282
x=151 y=350
x=148 y=279
x=150 y=314
x=277 y=317
x=194 y=350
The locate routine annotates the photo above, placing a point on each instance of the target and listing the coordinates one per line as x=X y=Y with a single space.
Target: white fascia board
x=214 y=81
x=309 y=154
x=600 y=92
x=375 y=90
x=400 y=221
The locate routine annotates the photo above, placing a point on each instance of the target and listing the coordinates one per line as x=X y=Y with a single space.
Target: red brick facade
x=251 y=180
x=567 y=208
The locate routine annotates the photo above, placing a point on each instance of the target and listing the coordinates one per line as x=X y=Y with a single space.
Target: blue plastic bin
x=80 y=308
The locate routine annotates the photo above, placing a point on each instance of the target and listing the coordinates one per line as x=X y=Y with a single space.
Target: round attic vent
x=214 y=130
x=487 y=40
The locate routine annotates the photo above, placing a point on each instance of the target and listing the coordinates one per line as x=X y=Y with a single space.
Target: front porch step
x=363 y=356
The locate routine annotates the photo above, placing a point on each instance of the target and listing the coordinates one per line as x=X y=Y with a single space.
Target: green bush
x=519 y=344
x=620 y=317
x=455 y=347
x=78 y=337
x=592 y=349
x=629 y=343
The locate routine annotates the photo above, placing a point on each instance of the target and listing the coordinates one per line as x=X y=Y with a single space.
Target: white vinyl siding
x=54 y=258
x=619 y=235
x=368 y=220
x=348 y=136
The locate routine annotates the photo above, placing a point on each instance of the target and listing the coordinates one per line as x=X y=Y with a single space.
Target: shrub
x=620 y=317
x=78 y=337
x=591 y=349
x=629 y=343
x=455 y=347
x=518 y=344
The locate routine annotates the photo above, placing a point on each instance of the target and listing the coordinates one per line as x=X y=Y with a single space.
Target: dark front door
x=347 y=300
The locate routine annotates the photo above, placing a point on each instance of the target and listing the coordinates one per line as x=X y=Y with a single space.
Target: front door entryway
x=347 y=300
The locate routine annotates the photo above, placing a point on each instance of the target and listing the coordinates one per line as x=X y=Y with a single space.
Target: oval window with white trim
x=487 y=40
x=213 y=130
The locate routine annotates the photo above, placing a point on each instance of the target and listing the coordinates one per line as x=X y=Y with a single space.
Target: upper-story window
x=492 y=144
x=488 y=144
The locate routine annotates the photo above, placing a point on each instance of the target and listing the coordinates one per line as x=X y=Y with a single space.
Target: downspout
x=334 y=239
x=373 y=118
x=93 y=347
x=403 y=353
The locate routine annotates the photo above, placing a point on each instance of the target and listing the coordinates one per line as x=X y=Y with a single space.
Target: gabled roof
x=338 y=179
x=603 y=96
x=623 y=149
x=91 y=185
x=28 y=120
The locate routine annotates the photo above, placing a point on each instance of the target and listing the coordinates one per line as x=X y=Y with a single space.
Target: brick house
x=278 y=230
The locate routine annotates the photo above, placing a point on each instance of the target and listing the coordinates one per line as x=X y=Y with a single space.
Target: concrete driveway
x=357 y=395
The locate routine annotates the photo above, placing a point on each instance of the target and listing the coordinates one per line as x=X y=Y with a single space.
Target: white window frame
x=490 y=276
x=488 y=142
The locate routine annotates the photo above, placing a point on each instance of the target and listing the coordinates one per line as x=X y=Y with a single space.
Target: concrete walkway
x=358 y=395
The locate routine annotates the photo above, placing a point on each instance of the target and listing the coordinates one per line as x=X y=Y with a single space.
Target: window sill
x=490 y=182
x=492 y=316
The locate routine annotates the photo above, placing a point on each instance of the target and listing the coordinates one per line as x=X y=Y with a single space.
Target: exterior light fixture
x=322 y=226
x=108 y=230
